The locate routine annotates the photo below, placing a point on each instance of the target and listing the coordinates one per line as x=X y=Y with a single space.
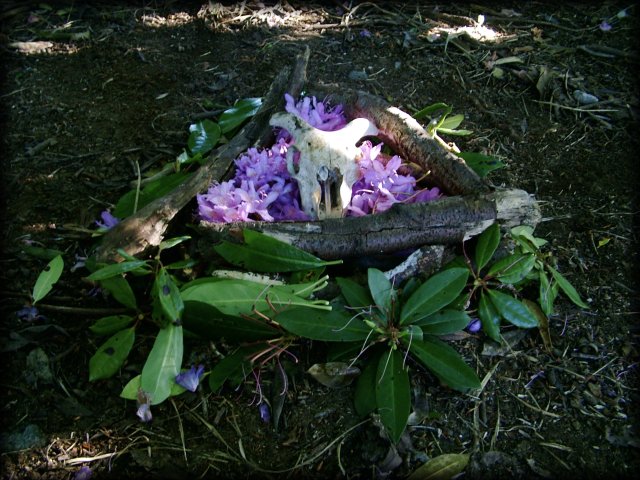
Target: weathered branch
x=410 y=140
x=146 y=227
x=446 y=221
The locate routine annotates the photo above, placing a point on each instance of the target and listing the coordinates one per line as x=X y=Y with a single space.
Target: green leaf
x=451 y=122
x=47 y=278
x=431 y=109
x=512 y=310
x=526 y=232
x=234 y=367
x=567 y=288
x=382 y=292
x=153 y=190
x=433 y=295
x=167 y=293
x=117 y=269
x=172 y=242
x=487 y=244
x=364 y=395
x=111 y=355
x=459 y=133
x=355 y=294
x=513 y=268
x=130 y=390
x=163 y=364
x=111 y=324
x=482 y=164
x=548 y=293
x=444 y=322
x=445 y=363
x=337 y=325
x=243 y=297
x=42 y=253
x=204 y=135
x=242 y=110
x=262 y=253
x=442 y=467
x=210 y=323
x=120 y=289
x=393 y=393
x=489 y=317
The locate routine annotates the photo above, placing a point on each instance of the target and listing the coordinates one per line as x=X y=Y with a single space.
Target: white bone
x=322 y=156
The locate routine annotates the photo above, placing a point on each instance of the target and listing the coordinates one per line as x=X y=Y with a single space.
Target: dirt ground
x=88 y=91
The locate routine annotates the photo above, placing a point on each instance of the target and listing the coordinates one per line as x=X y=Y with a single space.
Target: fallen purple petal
x=84 y=473
x=605 y=26
x=144 y=413
x=474 y=325
x=190 y=379
x=265 y=413
x=108 y=220
x=29 y=314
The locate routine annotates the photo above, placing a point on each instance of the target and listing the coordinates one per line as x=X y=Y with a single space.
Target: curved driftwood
x=446 y=221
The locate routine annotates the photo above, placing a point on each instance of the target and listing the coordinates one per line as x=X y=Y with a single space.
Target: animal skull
x=328 y=165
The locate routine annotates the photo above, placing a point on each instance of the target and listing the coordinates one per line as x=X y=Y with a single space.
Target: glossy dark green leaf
x=111 y=355
x=487 y=244
x=489 y=317
x=356 y=295
x=210 y=323
x=435 y=294
x=47 y=278
x=482 y=164
x=365 y=391
x=442 y=467
x=428 y=110
x=513 y=268
x=548 y=292
x=234 y=367
x=343 y=351
x=111 y=324
x=172 y=242
x=336 y=325
x=262 y=253
x=243 y=297
x=512 y=310
x=382 y=292
x=444 y=322
x=117 y=269
x=567 y=288
x=182 y=264
x=444 y=362
x=40 y=252
x=121 y=291
x=163 y=364
x=168 y=294
x=153 y=190
x=203 y=136
x=242 y=110
x=393 y=393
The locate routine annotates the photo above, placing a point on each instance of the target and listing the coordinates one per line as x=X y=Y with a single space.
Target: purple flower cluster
x=263 y=189
x=381 y=185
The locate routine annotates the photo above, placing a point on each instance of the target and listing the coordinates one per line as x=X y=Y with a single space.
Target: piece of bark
x=145 y=228
x=409 y=140
x=447 y=221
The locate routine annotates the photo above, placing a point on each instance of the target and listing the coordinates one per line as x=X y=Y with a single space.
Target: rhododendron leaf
x=242 y=110
x=393 y=393
x=480 y=163
x=204 y=136
x=487 y=244
x=47 y=278
x=262 y=253
x=153 y=190
x=111 y=355
x=163 y=364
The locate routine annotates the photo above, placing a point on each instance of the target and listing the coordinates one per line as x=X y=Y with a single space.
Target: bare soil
x=88 y=91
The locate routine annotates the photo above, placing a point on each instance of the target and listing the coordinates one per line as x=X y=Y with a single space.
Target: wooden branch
x=410 y=140
x=146 y=228
x=447 y=221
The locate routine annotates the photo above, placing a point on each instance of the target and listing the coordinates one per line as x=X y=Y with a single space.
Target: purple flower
x=605 y=26
x=108 y=220
x=265 y=413
x=191 y=378
x=474 y=325
x=29 y=314
x=365 y=33
x=144 y=413
x=84 y=473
